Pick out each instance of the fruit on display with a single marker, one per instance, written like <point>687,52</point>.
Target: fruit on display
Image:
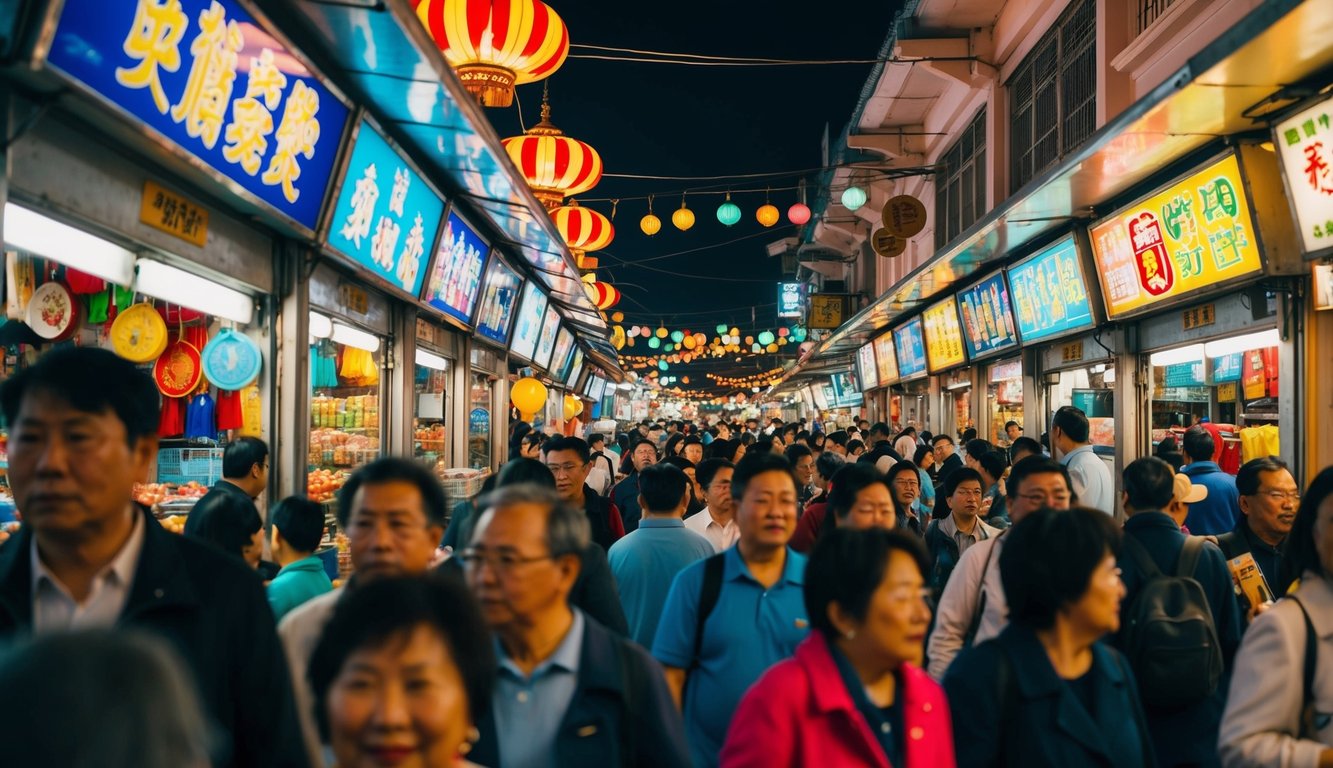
<point>323,484</point>
<point>150,494</point>
<point>355,412</point>
<point>335,448</point>
<point>174,523</point>
<point>429,438</point>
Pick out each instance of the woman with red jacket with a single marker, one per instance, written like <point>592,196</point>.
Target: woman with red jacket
<point>853,695</point>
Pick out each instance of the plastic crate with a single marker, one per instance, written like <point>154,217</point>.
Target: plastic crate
<point>181,465</point>
<point>461,484</point>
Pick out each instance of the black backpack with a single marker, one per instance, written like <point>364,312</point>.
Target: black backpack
<point>1168,634</point>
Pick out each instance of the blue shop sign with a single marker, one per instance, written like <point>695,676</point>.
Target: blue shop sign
<point>207,77</point>
<point>988,318</point>
<point>1227,368</point>
<point>460,261</point>
<point>479,422</point>
<point>386,217</point>
<point>910,345</point>
<point>1050,294</point>
<point>1183,375</point>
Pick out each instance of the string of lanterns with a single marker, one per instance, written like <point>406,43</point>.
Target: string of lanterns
<point>729,213</point>
<point>764,378</point>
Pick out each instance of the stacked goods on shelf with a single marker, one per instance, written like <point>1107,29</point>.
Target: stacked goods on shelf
<point>323,484</point>
<point>335,448</point>
<point>429,439</point>
<point>346,413</point>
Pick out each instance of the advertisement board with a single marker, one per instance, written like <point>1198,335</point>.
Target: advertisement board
<point>497,305</point>
<point>1050,293</point>
<point>546,341</point>
<point>791,299</point>
<point>886,359</point>
<point>944,336</point>
<point>911,349</point>
<point>1304,144</point>
<point>455,281</point>
<point>866,368</point>
<point>528,327</point>
<point>988,317</point>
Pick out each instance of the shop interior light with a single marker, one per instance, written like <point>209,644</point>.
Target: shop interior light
<point>1191,354</point>
<point>30,231</point>
<point>1260,340</point>
<point>432,361</point>
<point>351,337</point>
<point>176,286</point>
<point>321,327</point>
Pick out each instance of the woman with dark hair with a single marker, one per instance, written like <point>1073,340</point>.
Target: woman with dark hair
<point>1270,718</point>
<point>1046,693</point>
<point>855,448</point>
<point>859,498</point>
<point>530,446</point>
<point>402,673</point>
<point>517,431</point>
<point>674,444</point>
<point>723,449</point>
<point>230,523</point>
<point>853,693</point>
<point>924,459</point>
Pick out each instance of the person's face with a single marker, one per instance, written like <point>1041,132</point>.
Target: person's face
<point>723,432</point>
<point>805,469</point>
<point>697,490</point>
<point>776,446</point>
<point>872,508</point>
<point>717,494</point>
<point>1272,510</point>
<point>251,552</point>
<point>965,502</point>
<point>897,616</point>
<point>401,703</point>
<point>1047,489</point>
<point>530,450</point>
<point>1013,431</point>
<point>72,472</point>
<point>643,430</point>
<point>570,472</point>
<point>906,488</point>
<point>928,460</point>
<point>841,450</point>
<point>694,452</point>
<point>942,449</point>
<point>515,578</point>
<point>767,512</point>
<point>857,451</point>
<point>259,472</point>
<point>1323,534</point>
<point>1099,608</point>
<point>644,455</point>
<point>388,532</point>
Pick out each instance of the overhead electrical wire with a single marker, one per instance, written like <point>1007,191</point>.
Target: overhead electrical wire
<point>703,60</point>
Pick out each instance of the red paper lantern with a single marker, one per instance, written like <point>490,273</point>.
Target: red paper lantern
<point>798,213</point>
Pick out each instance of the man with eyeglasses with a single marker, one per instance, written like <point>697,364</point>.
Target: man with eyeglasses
<point>570,460</point>
<point>626,493</point>
<point>716,521</point>
<point>973,608</point>
<point>905,484</point>
<point>1269,497</point>
<point>568,691</point>
<point>948,539</point>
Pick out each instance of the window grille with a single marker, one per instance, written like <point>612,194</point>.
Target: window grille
<point>960,182</point>
<point>1148,12</point>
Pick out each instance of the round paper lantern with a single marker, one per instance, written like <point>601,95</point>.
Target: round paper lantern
<point>604,295</point>
<point>676,336</point>
<point>728,213</point>
<point>683,218</point>
<point>798,213</point>
<point>766,338</point>
<point>573,407</point>
<point>650,225</point>
<point>783,331</point>
<point>853,198</point>
<point>772,348</point>
<point>721,328</point>
<point>617,317</point>
<point>554,165</point>
<point>767,214</point>
<point>583,229</point>
<point>689,342</point>
<point>662,365</point>
<point>528,395</point>
<point>662,333</point>
<point>654,342</point>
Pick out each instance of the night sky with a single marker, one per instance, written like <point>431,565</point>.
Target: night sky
<point>671,120</point>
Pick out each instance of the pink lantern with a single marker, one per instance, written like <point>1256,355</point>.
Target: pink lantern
<point>798,213</point>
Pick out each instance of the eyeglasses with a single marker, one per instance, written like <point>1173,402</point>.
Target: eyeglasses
<point>564,469</point>
<point>500,562</point>
<point>1280,496</point>
<point>968,492</point>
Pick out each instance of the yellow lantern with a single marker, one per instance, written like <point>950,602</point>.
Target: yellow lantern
<point>650,225</point>
<point>617,317</point>
<point>528,395</point>
<point>573,407</point>
<point>661,333</point>
<point>683,218</point>
<point>768,214</point>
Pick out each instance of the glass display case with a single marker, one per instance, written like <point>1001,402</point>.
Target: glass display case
<point>344,409</point>
<point>430,433</point>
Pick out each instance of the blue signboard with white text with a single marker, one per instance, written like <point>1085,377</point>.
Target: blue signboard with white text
<point>204,75</point>
<point>791,299</point>
<point>386,216</point>
<point>1050,293</point>
<point>910,344</point>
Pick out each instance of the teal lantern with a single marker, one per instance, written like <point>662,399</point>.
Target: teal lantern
<point>678,336</point>
<point>728,213</point>
<point>766,338</point>
<point>798,333</point>
<point>757,347</point>
<point>853,197</point>
<point>654,342</point>
<point>661,365</point>
<point>668,347</point>
<point>721,329</point>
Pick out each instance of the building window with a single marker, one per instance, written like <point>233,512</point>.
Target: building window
<point>1053,95</point>
<point>960,182</point>
<point>1148,12</point>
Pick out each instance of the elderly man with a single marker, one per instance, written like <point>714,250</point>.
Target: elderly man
<point>83,431</point>
<point>626,493</point>
<point>569,459</point>
<point>568,690</point>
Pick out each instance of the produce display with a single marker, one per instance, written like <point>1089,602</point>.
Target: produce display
<point>173,523</point>
<point>429,439</point>
<point>346,413</point>
<point>335,448</point>
<point>152,494</point>
<point>323,484</point>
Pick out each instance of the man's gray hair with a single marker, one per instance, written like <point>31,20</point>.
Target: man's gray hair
<point>567,529</point>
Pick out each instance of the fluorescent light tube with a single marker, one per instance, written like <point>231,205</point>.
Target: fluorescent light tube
<point>1260,340</point>
<point>176,286</point>
<point>351,337</point>
<point>321,327</point>
<point>30,231</point>
<point>430,360</point>
<point>1192,353</point>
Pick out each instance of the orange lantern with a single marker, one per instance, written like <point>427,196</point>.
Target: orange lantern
<point>553,164</point>
<point>583,229</point>
<point>494,45</point>
<point>603,295</point>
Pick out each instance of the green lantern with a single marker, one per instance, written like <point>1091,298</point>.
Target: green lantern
<point>728,213</point>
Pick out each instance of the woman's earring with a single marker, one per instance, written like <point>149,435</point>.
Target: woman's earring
<point>473,736</point>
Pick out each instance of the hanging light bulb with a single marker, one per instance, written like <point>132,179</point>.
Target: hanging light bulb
<point>650,224</point>
<point>683,218</point>
<point>853,197</point>
<point>799,212</point>
<point>728,213</point>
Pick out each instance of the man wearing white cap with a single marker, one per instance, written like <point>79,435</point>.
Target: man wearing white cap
<point>1183,494</point>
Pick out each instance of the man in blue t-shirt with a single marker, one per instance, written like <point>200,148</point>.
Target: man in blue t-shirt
<point>1219,512</point>
<point>759,615</point>
<point>647,559</point>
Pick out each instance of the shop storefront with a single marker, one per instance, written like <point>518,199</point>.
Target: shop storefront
<point>989,332</point>
<point>944,354</point>
<point>913,390</point>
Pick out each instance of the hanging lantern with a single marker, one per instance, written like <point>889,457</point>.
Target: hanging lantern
<point>766,338</point>
<point>721,328</point>
<point>618,337</point>
<point>654,342</point>
<point>798,213</point>
<point>554,165</point>
<point>683,218</point>
<point>662,333</point>
<point>573,407</point>
<point>853,198</point>
<point>607,295</point>
<point>728,213</point>
<point>528,395</point>
<point>583,229</point>
<point>767,214</point>
<point>676,336</point>
<point>494,45</point>
<point>617,317</point>
<point>650,224</point>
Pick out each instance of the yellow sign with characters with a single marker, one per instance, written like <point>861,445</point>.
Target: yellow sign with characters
<point>826,310</point>
<point>174,214</point>
<point>944,336</point>
<point>1190,236</point>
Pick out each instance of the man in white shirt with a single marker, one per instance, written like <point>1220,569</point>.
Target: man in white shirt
<point>1089,475</point>
<point>715,522</point>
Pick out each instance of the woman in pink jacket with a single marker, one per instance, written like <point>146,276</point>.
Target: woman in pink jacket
<point>853,694</point>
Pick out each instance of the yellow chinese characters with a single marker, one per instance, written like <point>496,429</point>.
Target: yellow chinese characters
<point>154,42</point>
<point>208,89</point>
<point>297,135</point>
<point>252,115</point>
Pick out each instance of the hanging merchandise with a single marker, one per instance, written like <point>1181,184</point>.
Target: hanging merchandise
<point>178,370</point>
<point>99,305</point>
<point>20,282</point>
<point>252,412</point>
<point>171,423</point>
<point>139,334</point>
<point>229,413</point>
<point>200,418</point>
<point>231,360</point>
<point>52,313</point>
<point>359,368</point>
<point>323,365</point>
<point>82,282</point>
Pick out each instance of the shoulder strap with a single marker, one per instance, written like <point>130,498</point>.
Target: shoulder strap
<point>1189,557</point>
<point>975,624</point>
<point>1141,557</point>
<point>1308,668</point>
<point>708,595</point>
<point>629,676</point>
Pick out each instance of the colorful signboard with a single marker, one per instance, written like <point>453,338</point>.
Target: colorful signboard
<point>1227,368</point>
<point>386,217</point>
<point>560,359</point>
<point>791,297</point>
<point>826,310</point>
<point>988,317</point>
<point>1050,294</point>
<point>1192,235</point>
<point>528,328</point>
<point>575,367</point>
<point>866,367</point>
<point>944,336</point>
<point>845,393</point>
<point>206,77</point>
<point>546,342</point>
<point>497,304</point>
<point>455,281</point>
<point>911,349</point>
<point>1304,143</point>
<point>886,359</point>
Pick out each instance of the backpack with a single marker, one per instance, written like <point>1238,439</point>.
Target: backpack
<point>709,592</point>
<point>1168,633</point>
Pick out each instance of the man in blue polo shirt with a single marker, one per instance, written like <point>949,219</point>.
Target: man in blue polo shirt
<point>646,560</point>
<point>758,617</point>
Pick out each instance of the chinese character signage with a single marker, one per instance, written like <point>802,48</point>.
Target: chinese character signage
<point>789,299</point>
<point>866,368</point>
<point>944,336</point>
<point>911,349</point>
<point>497,308</point>
<point>207,77</point>
<point>988,319</point>
<point>528,327</point>
<point>1304,141</point>
<point>1192,235</point>
<point>826,310</point>
<point>886,359</point>
<point>1050,295</point>
<point>386,217</point>
<point>174,214</point>
<point>455,281</point>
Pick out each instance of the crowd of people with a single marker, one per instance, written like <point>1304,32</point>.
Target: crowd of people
<point>723,594</point>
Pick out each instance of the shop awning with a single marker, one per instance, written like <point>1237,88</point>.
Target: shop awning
<point>390,65</point>
<point>1266,56</point>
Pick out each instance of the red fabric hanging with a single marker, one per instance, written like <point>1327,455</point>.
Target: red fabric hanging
<point>172,423</point>
<point>228,410</point>
<point>82,282</point>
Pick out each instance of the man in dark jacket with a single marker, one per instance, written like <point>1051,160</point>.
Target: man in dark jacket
<point>244,474</point>
<point>881,452</point>
<point>1269,497</point>
<point>626,493</point>
<point>84,430</point>
<point>948,461</point>
<point>1182,736</point>
<point>570,460</point>
<point>568,691</point>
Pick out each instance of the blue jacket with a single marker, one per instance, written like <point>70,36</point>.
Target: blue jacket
<point>1186,735</point>
<point>625,495</point>
<point>1029,717</point>
<point>621,714</point>
<point>1219,513</point>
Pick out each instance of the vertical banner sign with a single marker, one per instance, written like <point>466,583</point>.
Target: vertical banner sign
<point>1049,293</point>
<point>887,360</point>
<point>944,336</point>
<point>790,296</point>
<point>1305,143</point>
<point>866,368</point>
<point>206,77</point>
<point>386,216</point>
